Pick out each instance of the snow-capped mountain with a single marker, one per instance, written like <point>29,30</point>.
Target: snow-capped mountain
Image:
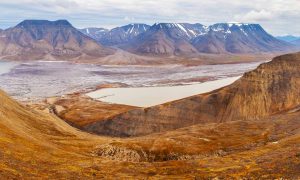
<point>95,33</point>
<point>167,39</point>
<point>181,30</point>
<point>123,34</point>
<point>238,38</point>
<point>184,38</point>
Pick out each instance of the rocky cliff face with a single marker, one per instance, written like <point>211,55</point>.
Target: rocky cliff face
<point>271,88</point>
<point>41,39</point>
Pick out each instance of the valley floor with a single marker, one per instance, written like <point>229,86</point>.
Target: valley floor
<point>37,80</point>
<point>37,144</point>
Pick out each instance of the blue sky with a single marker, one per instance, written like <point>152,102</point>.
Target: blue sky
<point>279,17</point>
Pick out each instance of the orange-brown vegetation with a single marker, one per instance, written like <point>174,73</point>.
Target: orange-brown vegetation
<point>81,111</point>
<point>251,145</point>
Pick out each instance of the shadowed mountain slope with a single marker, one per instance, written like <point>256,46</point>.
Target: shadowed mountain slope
<point>41,39</point>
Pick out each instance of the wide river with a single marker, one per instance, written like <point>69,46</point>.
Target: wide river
<point>36,80</point>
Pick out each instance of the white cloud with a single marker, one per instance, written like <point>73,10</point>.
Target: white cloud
<point>256,16</point>
<point>277,16</point>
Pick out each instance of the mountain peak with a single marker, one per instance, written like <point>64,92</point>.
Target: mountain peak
<point>135,28</point>
<point>28,23</point>
<point>44,39</point>
<point>223,26</point>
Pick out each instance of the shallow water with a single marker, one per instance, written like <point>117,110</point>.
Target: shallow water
<point>37,80</point>
<point>150,96</point>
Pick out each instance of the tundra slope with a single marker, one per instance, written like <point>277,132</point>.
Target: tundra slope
<point>38,145</point>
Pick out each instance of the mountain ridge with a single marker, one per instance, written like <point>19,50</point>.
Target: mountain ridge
<point>119,35</point>
<point>181,39</point>
<point>42,39</point>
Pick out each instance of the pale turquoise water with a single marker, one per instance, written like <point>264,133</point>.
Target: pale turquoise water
<point>151,96</point>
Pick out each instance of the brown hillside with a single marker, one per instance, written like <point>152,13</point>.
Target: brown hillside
<point>36,145</point>
<point>270,89</point>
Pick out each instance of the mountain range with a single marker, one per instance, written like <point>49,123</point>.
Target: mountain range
<point>116,36</point>
<point>55,40</point>
<point>185,38</point>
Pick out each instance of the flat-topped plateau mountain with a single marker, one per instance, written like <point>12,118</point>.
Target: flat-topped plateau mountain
<point>48,40</point>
